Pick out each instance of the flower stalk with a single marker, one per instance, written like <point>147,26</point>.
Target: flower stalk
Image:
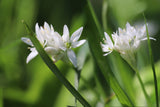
<point>104,14</point>
<point>77,78</point>
<point>1,97</point>
<point>142,85</point>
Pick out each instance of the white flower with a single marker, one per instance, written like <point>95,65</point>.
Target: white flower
<point>54,44</point>
<point>108,44</point>
<point>49,39</point>
<point>125,40</point>
<point>72,42</point>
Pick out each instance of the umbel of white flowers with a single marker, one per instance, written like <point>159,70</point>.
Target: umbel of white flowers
<point>54,44</point>
<point>125,41</point>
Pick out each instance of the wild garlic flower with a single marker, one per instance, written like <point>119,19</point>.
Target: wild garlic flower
<point>72,42</point>
<point>54,44</point>
<point>49,39</point>
<point>125,40</point>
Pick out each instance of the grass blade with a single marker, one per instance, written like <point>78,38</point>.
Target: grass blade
<point>152,64</point>
<point>95,18</point>
<point>94,43</point>
<point>54,69</point>
<point>1,97</point>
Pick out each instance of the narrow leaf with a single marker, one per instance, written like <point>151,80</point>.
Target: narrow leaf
<point>94,43</point>
<point>152,64</point>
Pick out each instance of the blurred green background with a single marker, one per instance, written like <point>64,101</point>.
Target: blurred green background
<point>33,84</point>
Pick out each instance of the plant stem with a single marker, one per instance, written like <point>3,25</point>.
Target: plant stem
<point>95,18</point>
<point>1,97</point>
<point>130,58</point>
<point>102,63</point>
<point>152,64</point>
<point>104,14</point>
<point>77,78</point>
<point>142,85</point>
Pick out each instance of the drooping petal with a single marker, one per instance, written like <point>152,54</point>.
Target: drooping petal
<point>27,41</point>
<point>76,35</point>
<point>72,57</point>
<point>78,43</point>
<point>32,55</point>
<point>65,36</point>
<point>107,53</point>
<point>149,38</point>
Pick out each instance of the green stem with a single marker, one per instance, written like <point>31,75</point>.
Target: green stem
<point>102,63</point>
<point>77,78</point>
<point>1,97</point>
<point>94,18</point>
<point>48,61</point>
<point>104,14</point>
<point>130,58</point>
<point>153,67</point>
<point>142,85</point>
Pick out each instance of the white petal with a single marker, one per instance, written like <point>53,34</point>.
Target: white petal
<point>57,57</point>
<point>58,41</point>
<point>128,26</point>
<point>52,30</point>
<point>51,50</point>
<point>46,26</point>
<point>72,57</point>
<point>108,39</point>
<point>39,34</point>
<point>65,36</point>
<point>78,43</point>
<point>33,54</point>
<point>149,38</point>
<point>76,35</point>
<point>37,27</point>
<point>27,41</point>
<point>107,53</point>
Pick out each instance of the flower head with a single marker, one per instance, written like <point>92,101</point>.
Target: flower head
<point>72,42</point>
<point>49,39</point>
<point>54,44</point>
<point>125,40</point>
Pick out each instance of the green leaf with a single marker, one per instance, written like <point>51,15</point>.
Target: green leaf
<point>1,97</point>
<point>53,67</point>
<point>94,43</point>
<point>153,67</point>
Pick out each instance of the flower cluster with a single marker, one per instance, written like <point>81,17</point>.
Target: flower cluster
<point>125,40</point>
<point>54,44</point>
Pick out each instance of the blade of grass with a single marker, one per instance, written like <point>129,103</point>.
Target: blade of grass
<point>95,48</point>
<point>152,64</point>
<point>1,97</point>
<point>104,14</point>
<point>53,67</point>
<point>142,85</point>
<point>106,71</point>
<point>95,18</point>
